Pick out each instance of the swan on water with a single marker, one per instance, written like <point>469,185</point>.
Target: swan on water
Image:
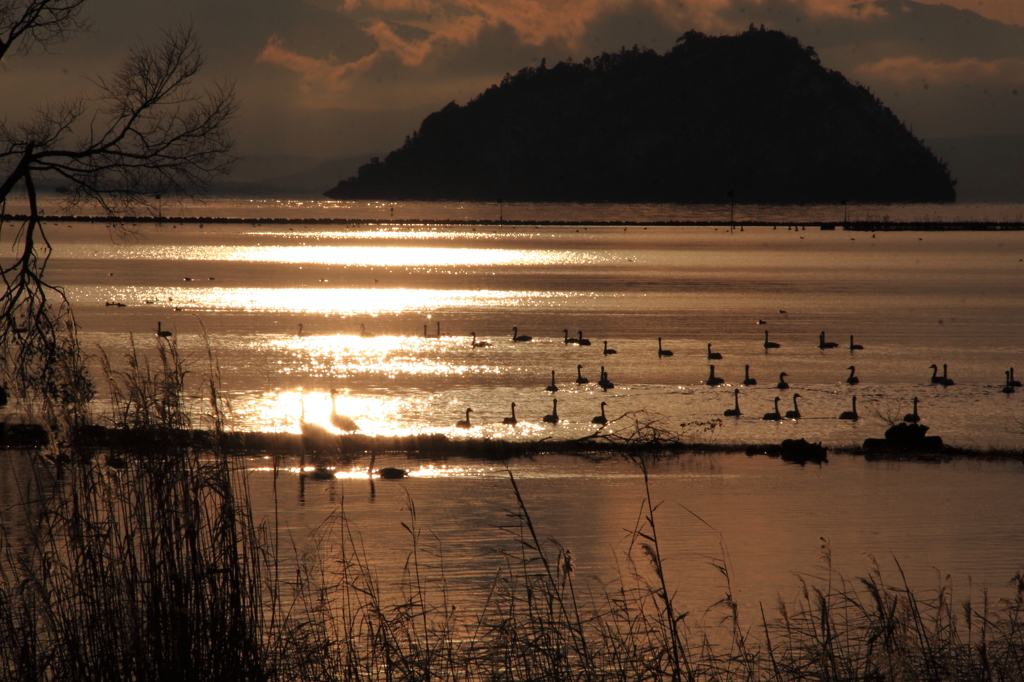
<point>912,418</point>
<point>1014,382</point>
<point>734,411</point>
<point>713,356</point>
<point>580,379</point>
<point>340,421</point>
<point>661,352</point>
<point>855,346</point>
<point>851,414</point>
<point>552,386</point>
<point>609,351</point>
<point>825,344</point>
<point>604,382</point>
<point>600,419</point>
<point>1008,388</point>
<point>712,380</point>
<point>363,333</point>
<point>773,416</point>
<point>464,423</point>
<point>782,381</point>
<point>566,339</point>
<point>164,334</point>
<point>519,338</point>
<point>946,381</point>
<point>769,344</point>
<point>852,379</point>
<point>480,344</point>
<point>582,341</point>
<point>795,412</point>
<point>747,379</point>
<point>936,379</point>
<point>553,417</point>
<point>511,421</point>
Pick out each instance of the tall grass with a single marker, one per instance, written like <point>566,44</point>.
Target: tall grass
<point>158,570</point>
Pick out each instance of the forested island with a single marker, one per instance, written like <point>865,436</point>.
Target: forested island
<point>754,116</point>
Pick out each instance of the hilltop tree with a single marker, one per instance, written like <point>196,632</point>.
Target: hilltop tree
<point>147,133</point>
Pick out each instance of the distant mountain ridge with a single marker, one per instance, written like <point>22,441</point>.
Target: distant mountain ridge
<point>753,114</point>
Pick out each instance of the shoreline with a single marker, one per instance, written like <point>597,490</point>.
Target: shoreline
<point>850,226</point>
<point>92,440</point>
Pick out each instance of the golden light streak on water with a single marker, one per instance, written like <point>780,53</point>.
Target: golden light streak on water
<point>319,254</point>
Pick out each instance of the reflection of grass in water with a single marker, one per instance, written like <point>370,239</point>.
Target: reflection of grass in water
<point>157,570</point>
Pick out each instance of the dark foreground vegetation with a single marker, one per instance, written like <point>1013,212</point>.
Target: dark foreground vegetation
<point>753,115</point>
<point>148,563</point>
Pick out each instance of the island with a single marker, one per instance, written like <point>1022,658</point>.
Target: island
<point>750,118</point>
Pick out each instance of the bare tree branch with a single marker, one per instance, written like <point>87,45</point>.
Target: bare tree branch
<point>37,23</point>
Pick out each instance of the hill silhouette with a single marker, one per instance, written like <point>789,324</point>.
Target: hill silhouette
<point>754,114</point>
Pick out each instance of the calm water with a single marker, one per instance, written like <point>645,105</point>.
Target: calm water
<point>911,299</point>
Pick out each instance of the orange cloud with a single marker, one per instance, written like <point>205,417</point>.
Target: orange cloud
<point>324,75</point>
<point>913,70</point>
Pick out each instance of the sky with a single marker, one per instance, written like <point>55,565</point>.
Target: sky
<point>337,78</point>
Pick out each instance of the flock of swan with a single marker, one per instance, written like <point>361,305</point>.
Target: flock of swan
<point>713,380</point>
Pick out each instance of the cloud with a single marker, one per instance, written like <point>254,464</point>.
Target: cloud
<point>913,70</point>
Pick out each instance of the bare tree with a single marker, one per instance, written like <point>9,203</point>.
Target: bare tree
<point>148,133</point>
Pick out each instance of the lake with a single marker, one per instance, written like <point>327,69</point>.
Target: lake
<point>369,299</point>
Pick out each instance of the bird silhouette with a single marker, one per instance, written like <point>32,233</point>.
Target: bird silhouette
<point>511,421</point>
<point>713,356</point>
<point>164,334</point>
<point>600,419</point>
<point>782,381</point>
<point>480,344</point>
<point>747,379</point>
<point>855,346</point>
<point>795,412</point>
<point>662,353</point>
<point>520,338</point>
<point>553,417</point>
<point>852,379</point>
<point>851,414</point>
<point>340,421</point>
<point>608,351</point>
<point>912,418</point>
<point>712,380</point>
<point>734,411</point>
<point>552,386</point>
<point>580,379</point>
<point>773,416</point>
<point>769,344</point>
<point>464,423</point>
<point>822,344</point>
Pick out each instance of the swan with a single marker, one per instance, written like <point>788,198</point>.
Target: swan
<point>713,356</point>
<point>580,379</point>
<point>822,344</point>
<point>782,381</point>
<point>1008,388</point>
<point>773,416</point>
<point>735,411</point>
<point>164,334</point>
<point>855,346</point>
<point>852,379</point>
<point>363,333</point>
<point>480,344</point>
<point>912,418</point>
<point>609,351</point>
<point>795,412</point>
<point>519,338</point>
<point>438,330</point>
<point>553,417</point>
<point>604,382</point>
<point>464,423</point>
<point>425,334</point>
<point>582,341</point>
<point>936,379</point>
<point>851,414</point>
<point>712,380</point>
<point>566,339</point>
<point>663,353</point>
<point>511,421</point>
<point>769,344</point>
<point>1013,382</point>
<point>600,419</point>
<point>747,379</point>
<point>340,421</point>
<point>946,381</point>
<point>552,386</point>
